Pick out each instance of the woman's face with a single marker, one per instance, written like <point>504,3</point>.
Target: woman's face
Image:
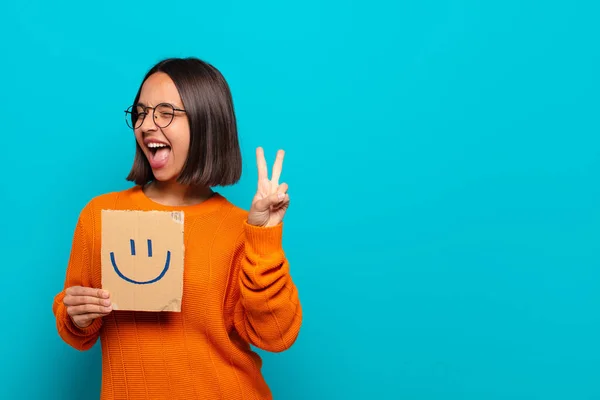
<point>166,148</point>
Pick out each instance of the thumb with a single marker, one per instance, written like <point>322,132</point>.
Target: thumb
<point>266,202</point>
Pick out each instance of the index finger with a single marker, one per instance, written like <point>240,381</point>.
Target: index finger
<point>261,163</point>
<point>86,291</point>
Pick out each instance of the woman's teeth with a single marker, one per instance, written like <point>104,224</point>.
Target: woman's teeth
<point>156,145</point>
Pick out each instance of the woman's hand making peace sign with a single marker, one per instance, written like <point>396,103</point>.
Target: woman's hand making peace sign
<point>271,200</point>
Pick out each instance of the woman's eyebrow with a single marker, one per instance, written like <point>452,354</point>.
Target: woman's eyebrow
<point>139,103</point>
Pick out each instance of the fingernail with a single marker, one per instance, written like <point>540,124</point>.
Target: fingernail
<point>105,294</point>
<point>280,196</point>
<point>106,302</point>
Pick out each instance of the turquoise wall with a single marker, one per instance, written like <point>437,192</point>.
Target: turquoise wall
<point>442,157</point>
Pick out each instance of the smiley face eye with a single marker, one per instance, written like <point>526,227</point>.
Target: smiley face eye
<point>132,246</point>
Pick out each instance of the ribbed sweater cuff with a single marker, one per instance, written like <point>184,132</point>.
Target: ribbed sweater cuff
<point>264,240</point>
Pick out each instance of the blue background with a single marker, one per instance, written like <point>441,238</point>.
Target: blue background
<point>442,158</point>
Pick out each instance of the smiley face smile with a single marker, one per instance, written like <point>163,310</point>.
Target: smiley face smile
<point>159,277</point>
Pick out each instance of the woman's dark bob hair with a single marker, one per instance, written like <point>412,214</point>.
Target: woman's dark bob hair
<point>214,157</point>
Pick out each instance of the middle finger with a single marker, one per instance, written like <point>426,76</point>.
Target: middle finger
<point>87,309</point>
<point>80,300</point>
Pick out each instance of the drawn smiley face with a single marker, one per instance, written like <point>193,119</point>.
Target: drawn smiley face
<point>133,253</point>
<point>142,259</point>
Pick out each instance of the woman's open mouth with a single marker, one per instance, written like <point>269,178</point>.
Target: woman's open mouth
<point>159,154</point>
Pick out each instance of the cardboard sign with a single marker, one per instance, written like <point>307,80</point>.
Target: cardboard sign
<point>142,259</point>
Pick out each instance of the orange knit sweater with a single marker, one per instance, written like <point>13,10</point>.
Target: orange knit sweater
<point>237,291</point>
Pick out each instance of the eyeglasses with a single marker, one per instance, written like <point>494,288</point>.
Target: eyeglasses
<point>162,115</point>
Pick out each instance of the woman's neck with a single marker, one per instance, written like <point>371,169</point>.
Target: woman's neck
<point>176,194</point>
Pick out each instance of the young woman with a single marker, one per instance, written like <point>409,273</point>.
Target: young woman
<point>237,287</point>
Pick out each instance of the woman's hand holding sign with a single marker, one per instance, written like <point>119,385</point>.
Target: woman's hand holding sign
<point>85,304</point>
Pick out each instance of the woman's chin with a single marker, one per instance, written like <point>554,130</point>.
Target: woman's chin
<point>164,175</point>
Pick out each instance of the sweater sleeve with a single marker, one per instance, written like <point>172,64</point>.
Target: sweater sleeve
<point>266,307</point>
<point>78,273</point>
